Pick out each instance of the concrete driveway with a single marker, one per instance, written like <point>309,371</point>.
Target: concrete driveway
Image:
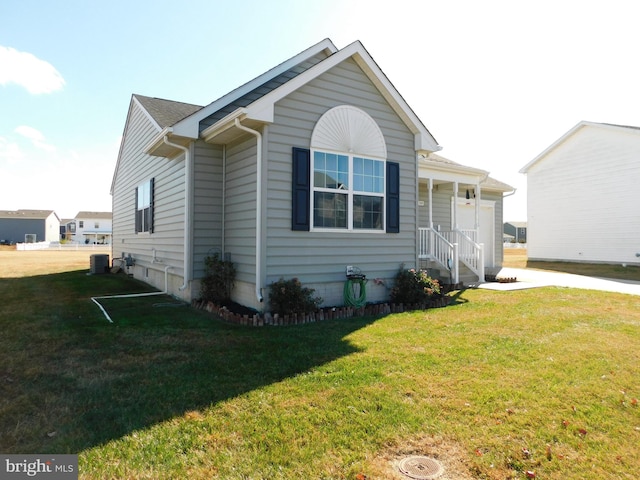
<point>528,278</point>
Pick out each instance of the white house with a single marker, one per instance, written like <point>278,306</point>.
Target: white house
<point>93,228</point>
<point>316,165</point>
<point>582,196</point>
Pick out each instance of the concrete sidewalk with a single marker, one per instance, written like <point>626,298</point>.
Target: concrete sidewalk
<point>528,278</point>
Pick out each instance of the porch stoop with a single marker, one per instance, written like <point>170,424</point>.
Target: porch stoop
<point>465,275</point>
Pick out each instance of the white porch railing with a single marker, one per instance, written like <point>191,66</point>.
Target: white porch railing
<point>449,249</point>
<point>435,246</point>
<point>471,253</point>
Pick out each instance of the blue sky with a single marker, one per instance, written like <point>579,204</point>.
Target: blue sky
<point>495,82</point>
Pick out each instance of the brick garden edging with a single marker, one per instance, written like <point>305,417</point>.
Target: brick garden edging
<point>332,313</point>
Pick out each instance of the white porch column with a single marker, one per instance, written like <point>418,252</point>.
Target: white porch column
<point>455,206</point>
<point>431,203</point>
<point>477,220</point>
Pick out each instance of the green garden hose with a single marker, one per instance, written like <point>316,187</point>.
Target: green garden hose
<point>355,297</point>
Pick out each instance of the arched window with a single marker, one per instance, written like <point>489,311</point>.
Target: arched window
<point>348,171</point>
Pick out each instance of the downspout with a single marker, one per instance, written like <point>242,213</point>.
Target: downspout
<point>187,211</point>
<point>224,196</point>
<point>258,136</point>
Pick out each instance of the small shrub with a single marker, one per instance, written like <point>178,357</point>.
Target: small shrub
<point>219,279</point>
<point>289,296</point>
<point>414,287</point>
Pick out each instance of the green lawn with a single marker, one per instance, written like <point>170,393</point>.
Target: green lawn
<point>496,385</point>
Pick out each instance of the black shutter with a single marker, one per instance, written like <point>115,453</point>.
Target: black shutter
<point>393,197</point>
<point>151,199</point>
<point>136,213</point>
<point>301,190</point>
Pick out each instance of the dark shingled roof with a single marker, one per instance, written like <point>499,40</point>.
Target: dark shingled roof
<point>92,215</point>
<point>167,112</point>
<point>37,214</point>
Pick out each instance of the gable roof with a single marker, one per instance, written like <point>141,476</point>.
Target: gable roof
<point>570,133</point>
<point>263,109</point>
<point>165,113</point>
<point>517,224</point>
<point>438,162</point>
<point>183,119</point>
<point>93,215</point>
<point>24,214</point>
<point>266,82</point>
<point>255,101</point>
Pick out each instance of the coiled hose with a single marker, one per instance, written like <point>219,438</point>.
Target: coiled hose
<point>355,296</point>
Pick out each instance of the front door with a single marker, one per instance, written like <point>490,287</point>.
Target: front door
<point>467,220</point>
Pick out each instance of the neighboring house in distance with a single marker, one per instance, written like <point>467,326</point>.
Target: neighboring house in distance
<point>316,165</point>
<point>92,228</point>
<point>29,226</point>
<point>582,203</point>
<point>516,231</point>
<point>67,229</point>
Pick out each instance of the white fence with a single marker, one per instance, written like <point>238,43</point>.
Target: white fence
<point>515,245</point>
<point>61,246</point>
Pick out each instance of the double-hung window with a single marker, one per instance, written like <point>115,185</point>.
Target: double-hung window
<point>344,181</point>
<point>144,207</point>
<point>348,191</point>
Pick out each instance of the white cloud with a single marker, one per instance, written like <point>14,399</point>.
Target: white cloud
<point>10,151</point>
<point>25,69</point>
<point>36,137</point>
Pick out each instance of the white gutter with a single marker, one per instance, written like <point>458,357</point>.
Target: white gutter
<point>509,194</point>
<point>132,295</point>
<point>258,206</point>
<point>187,211</point>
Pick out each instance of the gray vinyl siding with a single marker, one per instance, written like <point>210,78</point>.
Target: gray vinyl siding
<point>135,167</point>
<point>240,208</point>
<point>498,223</point>
<point>317,257</point>
<point>207,204</point>
<point>13,230</point>
<point>441,210</point>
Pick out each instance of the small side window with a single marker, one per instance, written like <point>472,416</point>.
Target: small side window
<point>144,207</point>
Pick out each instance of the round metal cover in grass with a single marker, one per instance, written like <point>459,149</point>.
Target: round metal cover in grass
<point>420,468</point>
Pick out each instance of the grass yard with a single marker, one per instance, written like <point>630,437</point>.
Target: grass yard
<point>500,385</point>
<point>517,258</point>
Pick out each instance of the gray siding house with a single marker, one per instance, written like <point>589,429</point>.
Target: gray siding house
<point>517,231</point>
<point>316,165</point>
<point>29,226</point>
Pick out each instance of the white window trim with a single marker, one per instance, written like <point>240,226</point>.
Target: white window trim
<point>144,187</point>
<point>349,193</point>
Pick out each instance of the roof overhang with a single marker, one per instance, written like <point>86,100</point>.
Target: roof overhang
<point>446,172</point>
<point>190,126</point>
<point>573,131</point>
<point>225,129</point>
<point>159,148</point>
<point>263,109</point>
